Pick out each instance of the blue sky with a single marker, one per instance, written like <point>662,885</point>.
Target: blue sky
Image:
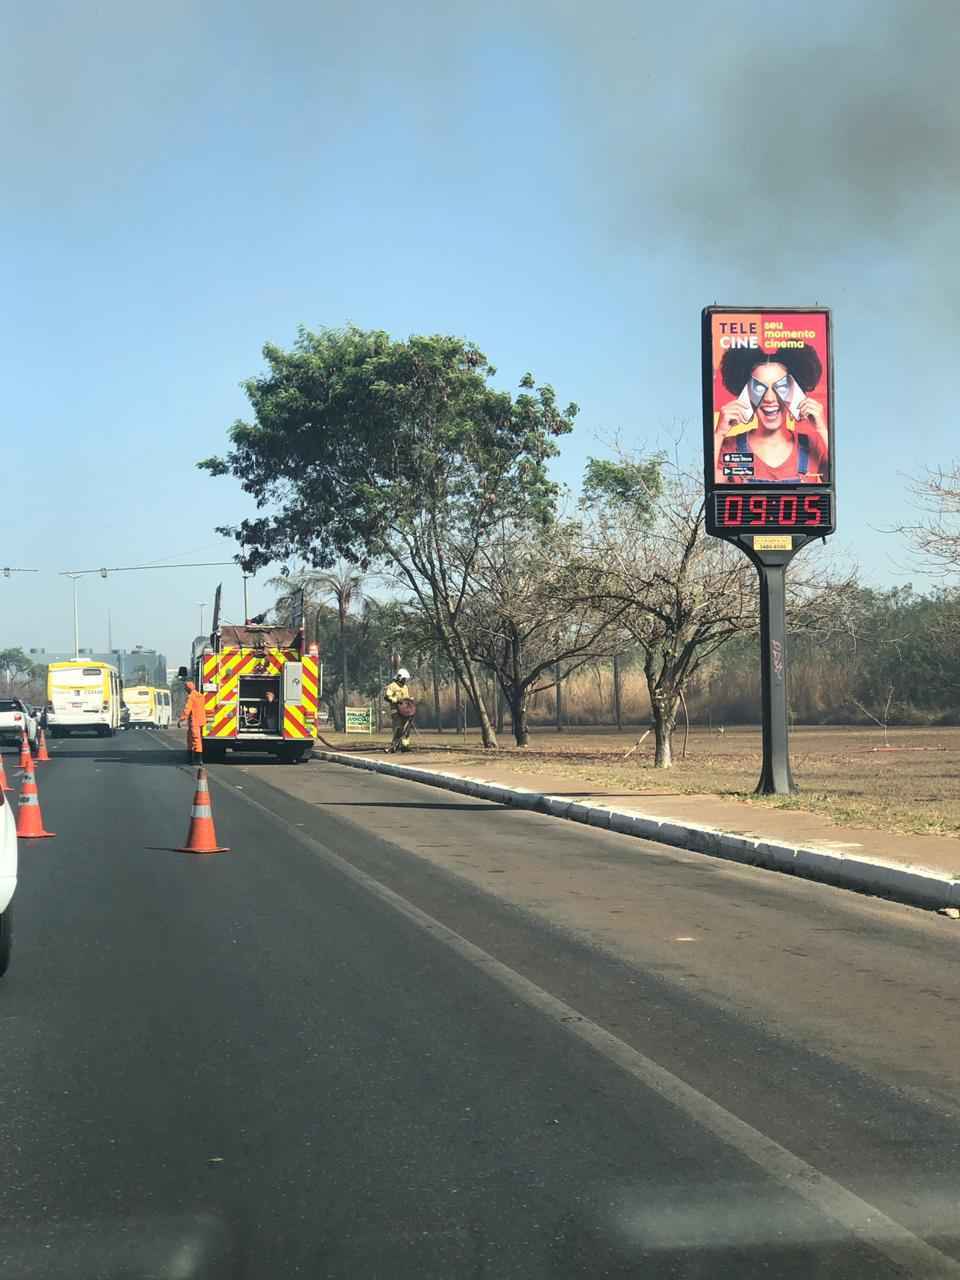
<point>566,185</point>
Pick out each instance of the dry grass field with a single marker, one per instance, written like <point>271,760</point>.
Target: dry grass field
<point>843,773</point>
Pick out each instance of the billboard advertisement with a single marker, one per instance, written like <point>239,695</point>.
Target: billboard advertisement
<point>768,419</point>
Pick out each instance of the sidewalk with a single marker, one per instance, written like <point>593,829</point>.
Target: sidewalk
<point>921,870</point>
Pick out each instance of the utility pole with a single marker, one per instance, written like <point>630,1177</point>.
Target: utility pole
<point>76,612</point>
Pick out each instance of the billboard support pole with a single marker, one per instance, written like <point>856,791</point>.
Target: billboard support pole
<point>776,778</point>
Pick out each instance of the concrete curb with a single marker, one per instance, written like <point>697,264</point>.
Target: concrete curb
<point>915,885</point>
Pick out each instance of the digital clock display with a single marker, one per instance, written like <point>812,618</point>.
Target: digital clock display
<point>803,512</point>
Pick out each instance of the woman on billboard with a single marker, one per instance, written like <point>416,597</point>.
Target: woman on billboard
<point>773,432</point>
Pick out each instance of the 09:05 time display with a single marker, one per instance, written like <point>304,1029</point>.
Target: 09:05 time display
<point>773,510</point>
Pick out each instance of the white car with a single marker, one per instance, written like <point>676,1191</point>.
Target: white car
<point>15,716</point>
<point>8,876</point>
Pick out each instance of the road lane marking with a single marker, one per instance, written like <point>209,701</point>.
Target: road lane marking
<point>858,1217</point>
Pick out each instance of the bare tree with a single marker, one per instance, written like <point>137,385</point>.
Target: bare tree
<point>519,623</point>
<point>679,594</point>
<point>935,538</point>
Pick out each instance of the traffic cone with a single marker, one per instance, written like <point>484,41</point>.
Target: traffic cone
<point>4,784</point>
<point>44,754</point>
<point>26,759</point>
<point>201,838</point>
<point>29,817</point>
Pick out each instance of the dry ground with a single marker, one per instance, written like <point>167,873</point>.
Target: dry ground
<point>845,774</point>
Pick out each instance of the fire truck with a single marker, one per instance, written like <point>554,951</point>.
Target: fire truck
<point>235,668</point>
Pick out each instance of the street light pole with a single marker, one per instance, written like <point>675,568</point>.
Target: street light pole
<point>76,614</point>
<point>246,609</point>
<point>201,604</point>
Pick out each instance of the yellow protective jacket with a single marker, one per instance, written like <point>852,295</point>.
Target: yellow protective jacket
<point>395,692</point>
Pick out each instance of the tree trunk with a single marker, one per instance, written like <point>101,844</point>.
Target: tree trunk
<point>458,706</point>
<point>664,708</point>
<point>498,695</point>
<point>617,703</point>
<point>436,697</point>
<point>488,734</point>
<point>518,715</point>
<point>663,732</point>
<point>559,700</point>
<point>465,668</point>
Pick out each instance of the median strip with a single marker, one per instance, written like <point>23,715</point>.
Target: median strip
<point>913,884</point>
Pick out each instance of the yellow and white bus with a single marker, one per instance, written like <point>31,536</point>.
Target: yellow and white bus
<point>83,695</point>
<point>148,705</point>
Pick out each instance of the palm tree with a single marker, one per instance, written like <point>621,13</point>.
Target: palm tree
<point>343,585</point>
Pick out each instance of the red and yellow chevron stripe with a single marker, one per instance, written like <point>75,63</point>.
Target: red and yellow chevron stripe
<point>294,722</point>
<point>235,663</point>
<point>310,686</point>
<point>224,721</point>
<point>226,669</point>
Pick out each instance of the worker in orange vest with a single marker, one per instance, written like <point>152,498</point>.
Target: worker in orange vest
<point>194,716</point>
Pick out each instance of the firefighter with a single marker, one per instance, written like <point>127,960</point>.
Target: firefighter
<point>271,713</point>
<point>396,693</point>
<point>194,716</point>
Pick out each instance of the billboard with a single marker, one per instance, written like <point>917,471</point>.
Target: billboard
<point>358,720</point>
<point>768,419</point>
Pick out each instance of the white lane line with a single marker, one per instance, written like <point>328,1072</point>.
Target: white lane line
<point>856,1216</point>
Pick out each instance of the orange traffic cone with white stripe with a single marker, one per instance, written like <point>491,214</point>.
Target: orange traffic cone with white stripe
<point>201,838</point>
<point>29,817</point>
<point>26,759</point>
<point>43,755</point>
<point>4,784</point>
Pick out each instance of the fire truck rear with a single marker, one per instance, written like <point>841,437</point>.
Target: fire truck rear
<point>261,691</point>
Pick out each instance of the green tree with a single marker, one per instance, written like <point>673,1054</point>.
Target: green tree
<point>399,453</point>
<point>16,668</point>
<point>902,660</point>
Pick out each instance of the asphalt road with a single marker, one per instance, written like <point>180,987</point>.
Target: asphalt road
<point>321,1055</point>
